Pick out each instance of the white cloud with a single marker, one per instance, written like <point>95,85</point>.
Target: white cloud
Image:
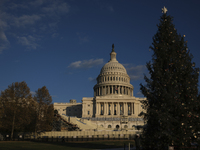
<point>86,63</point>
<point>29,42</point>
<point>136,72</point>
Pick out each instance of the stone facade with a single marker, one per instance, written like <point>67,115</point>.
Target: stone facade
<point>113,99</point>
<point>70,109</point>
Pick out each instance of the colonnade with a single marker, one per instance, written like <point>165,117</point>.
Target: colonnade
<point>114,108</point>
<point>113,89</point>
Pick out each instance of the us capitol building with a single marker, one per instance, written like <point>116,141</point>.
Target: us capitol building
<point>113,106</point>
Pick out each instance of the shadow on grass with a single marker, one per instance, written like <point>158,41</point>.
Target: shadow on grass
<point>92,144</point>
<point>72,145</point>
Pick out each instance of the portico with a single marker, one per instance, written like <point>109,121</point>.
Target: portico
<point>114,109</point>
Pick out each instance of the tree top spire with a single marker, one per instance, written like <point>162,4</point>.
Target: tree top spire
<point>164,10</point>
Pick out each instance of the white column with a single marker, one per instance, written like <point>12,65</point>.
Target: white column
<point>124,108</point>
<point>97,109</point>
<point>112,108</point>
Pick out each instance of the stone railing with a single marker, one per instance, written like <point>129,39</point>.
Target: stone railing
<point>113,119</point>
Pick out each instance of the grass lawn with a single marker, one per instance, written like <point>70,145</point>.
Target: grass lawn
<point>27,145</point>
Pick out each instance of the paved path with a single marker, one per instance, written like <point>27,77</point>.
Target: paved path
<point>132,148</point>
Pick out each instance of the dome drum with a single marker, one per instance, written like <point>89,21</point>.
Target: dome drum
<point>113,90</point>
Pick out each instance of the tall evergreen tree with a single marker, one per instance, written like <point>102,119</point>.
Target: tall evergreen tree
<point>172,115</point>
<point>44,111</point>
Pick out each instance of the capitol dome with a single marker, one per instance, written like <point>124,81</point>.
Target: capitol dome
<point>113,79</point>
<point>113,66</point>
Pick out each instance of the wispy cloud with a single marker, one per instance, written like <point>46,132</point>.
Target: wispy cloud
<point>33,93</point>
<point>25,20</point>
<point>139,94</point>
<point>30,20</point>
<point>29,42</point>
<point>135,72</point>
<point>4,43</point>
<point>86,63</point>
<point>82,37</point>
<point>92,79</point>
<point>56,8</point>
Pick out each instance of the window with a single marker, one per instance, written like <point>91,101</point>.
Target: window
<point>88,112</point>
<point>117,126</point>
<point>101,109</point>
<point>109,112</point>
<point>115,112</point>
<point>129,109</point>
<point>125,126</point>
<point>121,111</point>
<point>88,105</point>
<point>109,126</point>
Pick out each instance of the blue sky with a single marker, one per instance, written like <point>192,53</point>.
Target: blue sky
<point>63,44</point>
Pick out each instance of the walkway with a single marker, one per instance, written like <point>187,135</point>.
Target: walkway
<point>132,148</point>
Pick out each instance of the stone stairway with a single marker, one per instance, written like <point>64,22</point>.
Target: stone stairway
<point>82,124</point>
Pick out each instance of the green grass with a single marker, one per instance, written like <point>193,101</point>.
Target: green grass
<point>27,145</point>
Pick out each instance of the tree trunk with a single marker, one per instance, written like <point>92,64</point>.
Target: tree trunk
<point>13,125</point>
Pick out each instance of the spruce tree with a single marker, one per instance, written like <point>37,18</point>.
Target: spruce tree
<point>172,116</point>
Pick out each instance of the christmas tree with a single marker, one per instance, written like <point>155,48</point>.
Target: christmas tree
<point>172,116</point>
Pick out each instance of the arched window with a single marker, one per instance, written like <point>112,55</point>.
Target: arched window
<point>119,78</point>
<point>109,126</point>
<point>117,126</point>
<point>110,78</point>
<point>125,126</point>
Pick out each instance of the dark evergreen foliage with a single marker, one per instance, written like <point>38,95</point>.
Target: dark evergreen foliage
<point>172,103</point>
